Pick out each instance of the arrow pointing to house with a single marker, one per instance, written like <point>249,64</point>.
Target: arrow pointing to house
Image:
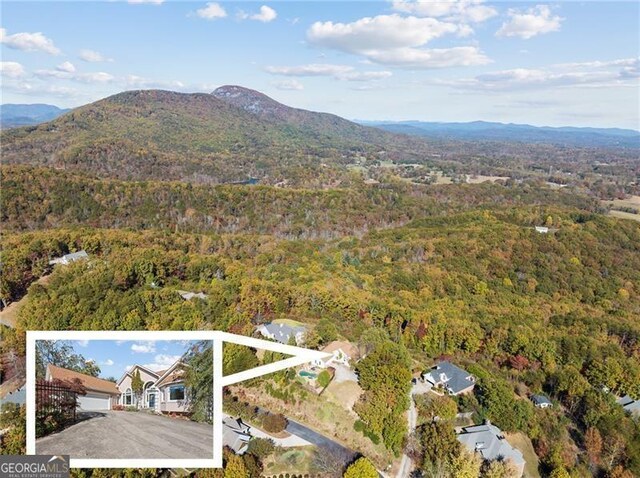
<point>298,356</point>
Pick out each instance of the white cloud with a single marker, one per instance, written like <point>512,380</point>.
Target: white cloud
<point>266,15</point>
<point>529,23</point>
<point>459,10</point>
<point>294,85</point>
<point>11,69</point>
<point>108,362</point>
<point>139,82</point>
<point>339,72</point>
<point>144,347</point>
<point>92,56</point>
<point>63,72</point>
<point>395,40</point>
<point>83,343</point>
<point>162,361</point>
<point>67,66</point>
<point>29,42</point>
<point>38,90</point>
<point>211,11</point>
<point>595,74</point>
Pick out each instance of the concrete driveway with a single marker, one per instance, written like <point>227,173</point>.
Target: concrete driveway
<point>131,435</point>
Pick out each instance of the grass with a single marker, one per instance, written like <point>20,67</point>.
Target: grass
<point>291,460</point>
<point>625,215</point>
<point>523,443</point>
<point>290,322</point>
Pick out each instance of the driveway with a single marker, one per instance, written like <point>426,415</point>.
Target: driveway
<point>131,435</point>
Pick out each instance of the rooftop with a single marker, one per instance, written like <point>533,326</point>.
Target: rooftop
<point>90,383</point>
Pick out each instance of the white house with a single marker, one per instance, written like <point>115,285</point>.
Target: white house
<point>69,258</point>
<point>541,401</point>
<point>235,435</point>
<point>163,391</point>
<point>283,333</point>
<point>542,229</point>
<point>342,352</point>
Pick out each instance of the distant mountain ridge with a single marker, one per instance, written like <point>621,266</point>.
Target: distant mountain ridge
<point>511,132</point>
<point>13,115</point>
<point>228,135</point>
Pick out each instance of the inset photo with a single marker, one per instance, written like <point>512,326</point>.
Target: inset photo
<point>124,399</point>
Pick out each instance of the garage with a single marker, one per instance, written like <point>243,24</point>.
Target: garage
<point>94,401</point>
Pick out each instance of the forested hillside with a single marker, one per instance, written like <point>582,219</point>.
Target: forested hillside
<point>479,285</point>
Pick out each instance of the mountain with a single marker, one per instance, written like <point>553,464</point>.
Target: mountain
<point>13,115</point>
<point>228,135</point>
<point>522,133</point>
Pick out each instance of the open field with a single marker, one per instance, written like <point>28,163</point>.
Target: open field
<point>477,179</point>
<point>291,322</point>
<point>291,460</point>
<point>625,215</point>
<point>523,443</point>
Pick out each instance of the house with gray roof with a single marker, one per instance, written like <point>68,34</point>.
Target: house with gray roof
<point>187,295</point>
<point>235,435</point>
<point>283,332</point>
<point>450,377</point>
<point>629,405</point>
<point>541,401</point>
<point>489,441</point>
<point>69,258</point>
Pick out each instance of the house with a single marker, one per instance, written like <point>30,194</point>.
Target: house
<point>163,391</point>
<point>541,401</point>
<point>235,435</point>
<point>542,229</point>
<point>69,258</point>
<point>342,352</point>
<point>101,394</point>
<point>452,378</point>
<point>488,440</point>
<point>283,333</point>
<point>186,295</point>
<point>629,405</point>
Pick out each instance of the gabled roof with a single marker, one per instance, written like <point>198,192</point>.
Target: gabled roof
<point>90,383</point>
<point>128,372</point>
<point>282,332</point>
<point>489,441</point>
<point>540,400</point>
<point>235,434</point>
<point>347,347</point>
<point>170,375</point>
<point>455,378</point>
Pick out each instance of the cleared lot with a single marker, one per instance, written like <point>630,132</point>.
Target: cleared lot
<point>131,435</point>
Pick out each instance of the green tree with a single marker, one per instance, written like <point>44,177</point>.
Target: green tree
<point>198,379</point>
<point>234,467</point>
<point>137,386</point>
<point>61,354</point>
<point>323,378</point>
<point>361,468</point>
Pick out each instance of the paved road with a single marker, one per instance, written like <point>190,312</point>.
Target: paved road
<point>312,436</point>
<point>131,435</point>
<point>412,419</point>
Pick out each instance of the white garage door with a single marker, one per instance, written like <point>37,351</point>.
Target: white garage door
<point>94,401</point>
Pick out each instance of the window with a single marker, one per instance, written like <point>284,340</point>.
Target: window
<point>127,397</point>
<point>176,392</point>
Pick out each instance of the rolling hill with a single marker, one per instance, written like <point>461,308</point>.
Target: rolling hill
<point>229,135</point>
<point>521,133</point>
<point>14,115</point>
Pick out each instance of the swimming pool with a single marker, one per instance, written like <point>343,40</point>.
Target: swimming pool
<point>304,373</point>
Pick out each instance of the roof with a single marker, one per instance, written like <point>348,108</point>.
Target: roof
<point>489,441</point>
<point>629,404</point>
<point>455,378</point>
<point>347,347</point>
<point>282,332</point>
<point>187,295</point>
<point>235,434</point>
<point>148,370</point>
<point>540,400</point>
<point>90,383</point>
<point>75,256</point>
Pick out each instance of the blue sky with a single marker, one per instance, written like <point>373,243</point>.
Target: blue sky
<point>545,63</point>
<point>115,356</point>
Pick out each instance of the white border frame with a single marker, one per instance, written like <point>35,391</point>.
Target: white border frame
<point>299,357</point>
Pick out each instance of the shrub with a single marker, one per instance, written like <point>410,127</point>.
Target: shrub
<point>274,422</point>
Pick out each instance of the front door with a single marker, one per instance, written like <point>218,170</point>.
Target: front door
<point>152,400</point>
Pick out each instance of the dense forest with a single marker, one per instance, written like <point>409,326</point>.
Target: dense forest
<point>527,312</point>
